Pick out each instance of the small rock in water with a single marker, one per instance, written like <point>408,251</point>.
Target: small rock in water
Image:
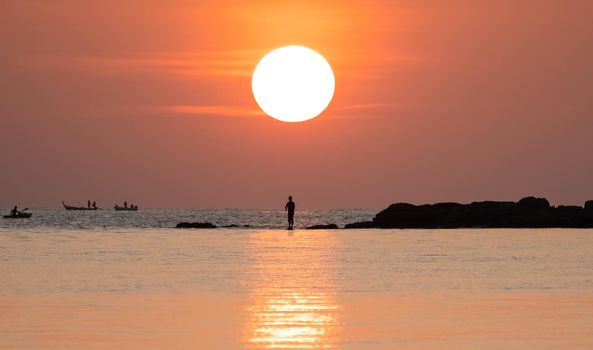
<point>195,225</point>
<point>323,227</point>
<point>363,224</point>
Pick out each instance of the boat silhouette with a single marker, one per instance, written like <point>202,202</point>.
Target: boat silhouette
<point>18,216</point>
<point>118,208</point>
<point>70,207</point>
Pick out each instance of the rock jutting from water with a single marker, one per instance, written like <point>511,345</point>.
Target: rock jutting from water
<point>529,212</point>
<point>361,224</point>
<point>195,225</point>
<point>323,227</point>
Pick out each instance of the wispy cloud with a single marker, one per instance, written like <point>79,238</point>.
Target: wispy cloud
<point>238,63</point>
<point>365,107</point>
<point>234,63</point>
<point>368,109</point>
<point>383,58</point>
<point>245,111</point>
<point>202,110</point>
<point>230,111</point>
<point>191,65</point>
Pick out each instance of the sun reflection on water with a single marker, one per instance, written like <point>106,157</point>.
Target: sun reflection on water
<point>293,299</point>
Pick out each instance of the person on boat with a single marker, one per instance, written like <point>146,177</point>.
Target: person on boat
<point>125,204</point>
<point>290,207</point>
<point>88,203</point>
<point>14,211</point>
<point>95,205</point>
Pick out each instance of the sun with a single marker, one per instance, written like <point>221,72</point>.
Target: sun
<point>293,84</point>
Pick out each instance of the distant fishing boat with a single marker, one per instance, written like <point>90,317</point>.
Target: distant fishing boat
<point>118,208</point>
<point>70,207</point>
<point>18,216</point>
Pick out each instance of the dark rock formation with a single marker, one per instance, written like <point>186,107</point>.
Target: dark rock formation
<point>409,215</point>
<point>323,227</point>
<point>529,212</point>
<point>534,203</point>
<point>572,216</point>
<point>362,224</point>
<point>479,214</point>
<point>195,225</point>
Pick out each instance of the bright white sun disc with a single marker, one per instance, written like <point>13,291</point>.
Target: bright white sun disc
<point>293,84</point>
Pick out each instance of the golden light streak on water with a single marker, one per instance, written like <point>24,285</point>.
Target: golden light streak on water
<point>293,305</point>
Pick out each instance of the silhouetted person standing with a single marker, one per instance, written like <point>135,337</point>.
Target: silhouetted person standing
<point>88,203</point>
<point>14,211</point>
<point>290,206</point>
<point>95,205</point>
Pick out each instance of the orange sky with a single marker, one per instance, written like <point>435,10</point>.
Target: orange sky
<point>150,102</point>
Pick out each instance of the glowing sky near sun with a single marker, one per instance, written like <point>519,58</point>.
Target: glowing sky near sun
<point>449,100</point>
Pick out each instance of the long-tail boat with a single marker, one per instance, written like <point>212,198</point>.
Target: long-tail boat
<point>132,208</point>
<point>70,207</point>
<point>18,216</point>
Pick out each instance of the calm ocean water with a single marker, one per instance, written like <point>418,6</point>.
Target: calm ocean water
<point>58,219</point>
<point>109,280</point>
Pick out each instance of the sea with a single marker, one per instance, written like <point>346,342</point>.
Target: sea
<point>130,280</point>
<point>60,219</point>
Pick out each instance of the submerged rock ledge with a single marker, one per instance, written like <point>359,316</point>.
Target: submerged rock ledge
<point>529,212</point>
<point>195,225</point>
<point>322,227</point>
